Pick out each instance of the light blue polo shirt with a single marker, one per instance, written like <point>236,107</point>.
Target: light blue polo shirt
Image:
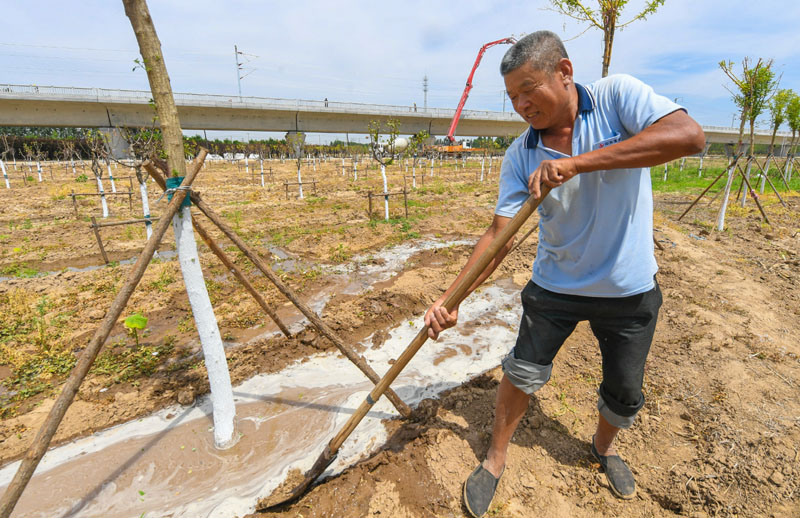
<point>595,230</point>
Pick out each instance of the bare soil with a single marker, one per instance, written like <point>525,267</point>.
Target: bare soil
<point>718,436</point>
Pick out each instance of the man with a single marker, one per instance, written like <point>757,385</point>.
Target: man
<point>593,146</point>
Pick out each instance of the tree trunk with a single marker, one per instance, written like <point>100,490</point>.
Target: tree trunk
<point>747,176</point>
<point>609,26</point>
<point>764,174</point>
<point>102,196</point>
<point>205,320</point>
<point>385,190</point>
<point>111,177</point>
<point>150,49</point>
<point>145,202</point>
<point>725,196</point>
<point>299,179</point>
<point>5,174</point>
<point>740,144</point>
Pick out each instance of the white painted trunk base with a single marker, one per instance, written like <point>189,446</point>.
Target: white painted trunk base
<point>5,174</point>
<point>386,196</point>
<point>102,196</point>
<point>744,187</point>
<point>725,196</point>
<point>111,178</point>
<point>764,174</point>
<point>206,322</point>
<point>146,209</point>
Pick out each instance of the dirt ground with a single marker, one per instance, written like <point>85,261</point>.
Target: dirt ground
<point>718,435</point>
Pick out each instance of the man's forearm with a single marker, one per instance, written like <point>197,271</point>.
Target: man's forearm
<point>674,136</point>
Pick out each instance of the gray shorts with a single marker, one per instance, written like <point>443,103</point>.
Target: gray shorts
<point>624,328</point>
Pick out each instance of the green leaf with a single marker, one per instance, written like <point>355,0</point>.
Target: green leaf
<point>136,321</point>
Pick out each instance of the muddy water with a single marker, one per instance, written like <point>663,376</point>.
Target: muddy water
<point>166,465</point>
<point>357,276</point>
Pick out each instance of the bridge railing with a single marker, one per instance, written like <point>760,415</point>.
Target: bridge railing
<point>233,101</point>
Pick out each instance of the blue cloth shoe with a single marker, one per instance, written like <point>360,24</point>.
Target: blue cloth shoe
<point>479,490</point>
<point>619,476</point>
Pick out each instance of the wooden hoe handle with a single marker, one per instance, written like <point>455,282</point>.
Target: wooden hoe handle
<point>450,302</point>
<point>329,453</point>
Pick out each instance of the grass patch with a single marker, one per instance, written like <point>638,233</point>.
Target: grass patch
<point>19,270</point>
<point>689,181</point>
<point>127,363</point>
<point>165,278</point>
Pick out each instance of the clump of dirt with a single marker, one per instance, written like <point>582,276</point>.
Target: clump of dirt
<point>284,491</point>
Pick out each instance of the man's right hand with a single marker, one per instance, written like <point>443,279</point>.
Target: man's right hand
<point>437,318</point>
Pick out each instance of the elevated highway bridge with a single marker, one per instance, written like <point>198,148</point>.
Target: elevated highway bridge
<point>56,106</point>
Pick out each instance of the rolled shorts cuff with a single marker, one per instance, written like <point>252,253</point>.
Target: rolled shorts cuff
<point>526,376</point>
<point>614,419</point>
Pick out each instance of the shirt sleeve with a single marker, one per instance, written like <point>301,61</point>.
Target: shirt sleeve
<point>638,106</point>
<point>513,189</point>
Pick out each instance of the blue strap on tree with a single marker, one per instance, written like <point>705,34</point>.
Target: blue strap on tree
<point>173,184</point>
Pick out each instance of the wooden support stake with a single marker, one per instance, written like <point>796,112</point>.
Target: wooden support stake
<point>74,204</point>
<point>317,322</point>
<point>405,199</point>
<point>528,233</point>
<point>48,429</point>
<point>766,177</point>
<point>704,192</point>
<point>369,210</point>
<point>99,240</point>
<point>752,194</point>
<point>126,222</point>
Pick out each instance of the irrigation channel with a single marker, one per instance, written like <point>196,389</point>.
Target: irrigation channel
<point>166,464</point>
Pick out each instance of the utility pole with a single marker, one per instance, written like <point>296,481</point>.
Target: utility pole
<point>504,100</point>
<point>238,70</point>
<point>425,91</point>
<point>240,66</point>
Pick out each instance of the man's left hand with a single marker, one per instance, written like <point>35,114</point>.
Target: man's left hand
<point>551,173</point>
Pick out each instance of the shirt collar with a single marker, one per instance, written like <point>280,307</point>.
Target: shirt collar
<point>586,103</point>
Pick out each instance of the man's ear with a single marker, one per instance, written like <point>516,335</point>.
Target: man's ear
<point>564,68</point>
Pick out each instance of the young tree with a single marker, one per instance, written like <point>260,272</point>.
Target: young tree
<point>754,87</point>
<point>415,146</point>
<point>27,152</point>
<point>96,146</point>
<point>295,140</point>
<point>752,91</point>
<point>68,153</point>
<point>6,150</point>
<point>605,18</point>
<point>777,112</point>
<point>143,145</point>
<point>777,116</point>
<point>222,403</point>
<point>793,119</point>
<point>38,155</point>
<point>385,152</point>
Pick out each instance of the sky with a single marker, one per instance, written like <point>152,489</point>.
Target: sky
<point>379,52</point>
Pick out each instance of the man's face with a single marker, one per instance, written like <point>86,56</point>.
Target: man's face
<point>541,98</point>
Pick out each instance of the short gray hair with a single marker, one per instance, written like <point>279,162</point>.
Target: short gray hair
<point>542,49</point>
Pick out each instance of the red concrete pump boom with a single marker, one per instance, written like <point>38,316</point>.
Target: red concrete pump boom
<point>452,131</point>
